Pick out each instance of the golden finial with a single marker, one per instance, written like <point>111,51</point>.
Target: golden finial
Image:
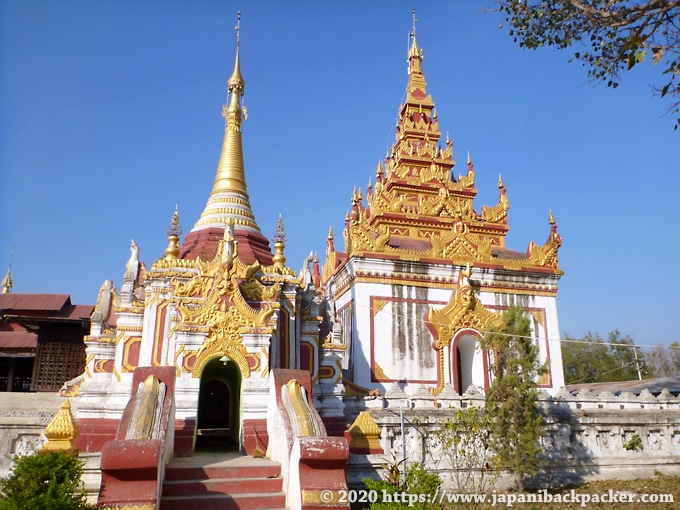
<point>370,184</point>
<point>448,139</point>
<point>379,172</point>
<point>7,282</point>
<point>280,234</point>
<point>347,216</point>
<point>330,233</point>
<point>173,233</point>
<point>500,182</point>
<point>62,430</point>
<point>360,196</point>
<point>236,80</point>
<point>551,218</point>
<point>469,158</point>
<point>354,196</point>
<point>279,258</point>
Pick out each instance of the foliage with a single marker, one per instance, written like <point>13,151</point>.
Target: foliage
<point>419,482</point>
<point>664,361</point>
<point>591,359</point>
<point>612,36</point>
<point>46,481</point>
<point>464,442</point>
<point>634,444</point>
<point>516,423</point>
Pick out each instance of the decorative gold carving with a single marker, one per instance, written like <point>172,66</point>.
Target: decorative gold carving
<point>264,358</point>
<point>499,212</point>
<point>178,353</point>
<point>129,342</point>
<point>546,255</point>
<point>464,310</point>
<point>379,305</point>
<point>62,430</point>
<point>538,315</point>
<point>224,284</point>
<point>365,432</point>
<point>378,372</point>
<point>88,360</point>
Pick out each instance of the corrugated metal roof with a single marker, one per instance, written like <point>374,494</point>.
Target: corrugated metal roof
<point>19,341</point>
<point>44,302</point>
<point>55,307</point>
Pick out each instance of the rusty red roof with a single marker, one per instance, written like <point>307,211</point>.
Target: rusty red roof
<point>18,341</point>
<point>52,302</point>
<point>43,306</point>
<point>506,253</point>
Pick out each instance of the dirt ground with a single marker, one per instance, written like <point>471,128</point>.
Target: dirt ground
<point>627,494</point>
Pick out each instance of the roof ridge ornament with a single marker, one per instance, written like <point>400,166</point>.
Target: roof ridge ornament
<point>7,282</point>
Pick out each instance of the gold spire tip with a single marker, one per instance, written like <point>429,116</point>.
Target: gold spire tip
<point>175,229</point>
<point>280,234</point>
<point>551,218</point>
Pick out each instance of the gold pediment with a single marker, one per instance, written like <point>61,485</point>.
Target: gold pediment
<point>463,311</point>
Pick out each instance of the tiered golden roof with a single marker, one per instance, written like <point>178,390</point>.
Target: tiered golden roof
<point>417,210</point>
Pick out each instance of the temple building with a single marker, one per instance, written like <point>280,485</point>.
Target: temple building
<point>424,275</point>
<point>421,278</point>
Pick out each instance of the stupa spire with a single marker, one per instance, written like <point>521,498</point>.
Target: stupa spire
<point>229,204</point>
<point>229,197</point>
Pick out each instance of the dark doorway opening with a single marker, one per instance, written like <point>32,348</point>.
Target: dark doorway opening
<point>218,420</point>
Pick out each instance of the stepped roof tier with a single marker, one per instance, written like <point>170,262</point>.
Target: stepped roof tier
<point>229,203</point>
<point>418,211</point>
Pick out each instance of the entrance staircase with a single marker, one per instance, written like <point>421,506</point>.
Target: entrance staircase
<point>222,481</point>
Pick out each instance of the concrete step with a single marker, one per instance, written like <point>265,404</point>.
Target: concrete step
<point>232,485</point>
<point>209,481</point>
<point>225,502</point>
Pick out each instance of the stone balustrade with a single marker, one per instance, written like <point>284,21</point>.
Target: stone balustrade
<point>590,436</point>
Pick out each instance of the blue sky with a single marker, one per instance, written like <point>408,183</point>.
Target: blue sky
<point>110,115</point>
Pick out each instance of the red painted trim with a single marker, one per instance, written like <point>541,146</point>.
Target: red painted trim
<point>159,335</point>
<point>307,357</point>
<point>94,433</point>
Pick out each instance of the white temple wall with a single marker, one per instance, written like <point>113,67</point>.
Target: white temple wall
<point>386,317</point>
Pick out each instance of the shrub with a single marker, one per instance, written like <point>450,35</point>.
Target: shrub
<point>419,482</point>
<point>46,481</point>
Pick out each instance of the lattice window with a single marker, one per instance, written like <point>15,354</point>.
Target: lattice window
<point>57,362</point>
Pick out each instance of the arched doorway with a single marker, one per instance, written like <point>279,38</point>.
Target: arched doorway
<point>219,406</point>
<point>467,365</point>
